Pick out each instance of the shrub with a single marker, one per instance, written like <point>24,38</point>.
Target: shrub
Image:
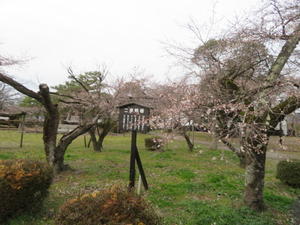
<point>289,173</point>
<point>154,143</point>
<point>114,206</point>
<point>23,186</point>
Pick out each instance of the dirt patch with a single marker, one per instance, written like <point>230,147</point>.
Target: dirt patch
<point>272,153</point>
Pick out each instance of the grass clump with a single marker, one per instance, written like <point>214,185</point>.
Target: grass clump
<point>23,186</point>
<point>113,206</point>
<point>289,173</point>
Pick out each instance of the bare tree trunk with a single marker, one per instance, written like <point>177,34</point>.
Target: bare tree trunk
<point>94,140</point>
<point>50,136</point>
<point>254,179</point>
<point>58,159</point>
<point>188,141</point>
<point>102,131</point>
<point>51,121</point>
<point>55,152</point>
<point>103,134</point>
<point>64,142</point>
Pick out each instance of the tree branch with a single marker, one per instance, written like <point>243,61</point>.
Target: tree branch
<point>70,103</point>
<point>19,87</point>
<point>278,113</point>
<point>229,145</point>
<point>70,71</point>
<point>72,135</point>
<point>286,51</point>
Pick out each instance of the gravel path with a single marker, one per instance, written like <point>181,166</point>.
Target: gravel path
<point>271,154</point>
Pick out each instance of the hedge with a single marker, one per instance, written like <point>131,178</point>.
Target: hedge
<point>289,173</point>
<point>113,206</point>
<point>23,186</point>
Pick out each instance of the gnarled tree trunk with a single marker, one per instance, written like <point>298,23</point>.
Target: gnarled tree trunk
<point>51,122</point>
<point>54,152</point>
<point>96,145</point>
<point>101,131</point>
<point>59,151</point>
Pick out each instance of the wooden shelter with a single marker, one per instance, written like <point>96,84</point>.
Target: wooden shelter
<point>12,116</point>
<point>13,121</point>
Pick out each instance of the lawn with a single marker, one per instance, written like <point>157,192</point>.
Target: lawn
<point>185,188</point>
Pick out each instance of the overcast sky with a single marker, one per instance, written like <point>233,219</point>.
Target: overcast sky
<point>54,34</point>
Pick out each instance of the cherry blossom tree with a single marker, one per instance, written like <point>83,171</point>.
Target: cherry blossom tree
<point>89,104</point>
<point>85,91</point>
<point>248,85</point>
<point>174,109</point>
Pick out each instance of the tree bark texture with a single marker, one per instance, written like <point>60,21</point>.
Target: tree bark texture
<point>254,179</point>
<point>188,141</point>
<point>285,53</point>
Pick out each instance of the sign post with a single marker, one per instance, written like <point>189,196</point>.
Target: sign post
<point>22,124</point>
<point>135,157</point>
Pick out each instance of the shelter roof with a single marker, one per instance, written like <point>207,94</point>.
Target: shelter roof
<point>134,103</point>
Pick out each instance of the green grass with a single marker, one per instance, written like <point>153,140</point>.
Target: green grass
<point>185,188</point>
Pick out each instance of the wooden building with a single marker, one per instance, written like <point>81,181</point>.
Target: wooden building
<point>10,120</point>
<point>134,115</point>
